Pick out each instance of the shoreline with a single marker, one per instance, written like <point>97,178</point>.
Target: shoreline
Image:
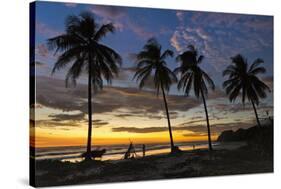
<point>115,156</point>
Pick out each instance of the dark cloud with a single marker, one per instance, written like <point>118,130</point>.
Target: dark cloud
<point>70,117</point>
<point>194,134</point>
<point>196,129</point>
<point>144,114</point>
<point>55,124</point>
<point>139,130</point>
<point>52,93</point>
<point>218,128</point>
<point>197,117</point>
<point>64,121</point>
<point>38,63</point>
<point>99,123</point>
<point>233,108</point>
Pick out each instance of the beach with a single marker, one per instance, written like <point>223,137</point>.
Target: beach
<point>116,152</point>
<point>234,159</point>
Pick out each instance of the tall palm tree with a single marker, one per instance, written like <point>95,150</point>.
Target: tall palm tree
<point>244,80</point>
<point>80,48</point>
<point>192,75</point>
<point>152,61</point>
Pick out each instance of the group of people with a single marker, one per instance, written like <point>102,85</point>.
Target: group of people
<point>131,153</point>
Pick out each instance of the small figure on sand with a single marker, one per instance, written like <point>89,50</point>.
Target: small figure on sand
<point>193,146</point>
<point>130,153</point>
<point>143,150</point>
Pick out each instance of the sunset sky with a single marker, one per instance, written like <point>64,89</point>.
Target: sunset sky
<point>122,112</point>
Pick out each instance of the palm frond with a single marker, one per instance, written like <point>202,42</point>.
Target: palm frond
<point>103,31</point>
<point>208,79</point>
<point>166,54</point>
<point>256,64</point>
<point>74,71</point>
<point>66,58</point>
<point>244,81</point>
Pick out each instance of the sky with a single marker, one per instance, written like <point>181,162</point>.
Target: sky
<point>121,111</point>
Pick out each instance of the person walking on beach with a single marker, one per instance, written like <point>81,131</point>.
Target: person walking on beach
<point>143,150</point>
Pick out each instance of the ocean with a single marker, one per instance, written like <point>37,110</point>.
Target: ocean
<point>116,152</point>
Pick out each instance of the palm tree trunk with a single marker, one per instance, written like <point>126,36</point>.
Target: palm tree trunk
<point>257,117</point>
<point>207,119</point>
<point>168,118</point>
<point>89,108</point>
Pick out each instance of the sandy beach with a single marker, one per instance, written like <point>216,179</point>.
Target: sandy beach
<point>194,163</point>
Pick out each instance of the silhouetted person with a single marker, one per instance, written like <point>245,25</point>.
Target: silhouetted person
<point>131,153</point>
<point>193,146</point>
<point>143,150</point>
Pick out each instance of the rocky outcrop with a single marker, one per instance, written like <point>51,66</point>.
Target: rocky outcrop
<point>245,134</point>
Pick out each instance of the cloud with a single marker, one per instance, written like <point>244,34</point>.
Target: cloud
<point>180,15</point>
<point>38,63</point>
<point>71,5</point>
<point>218,128</point>
<point>120,18</point>
<point>140,30</point>
<point>53,94</point>
<point>46,30</point>
<point>42,50</point>
<point>55,124</point>
<point>189,130</point>
<point>69,117</point>
<point>144,114</point>
<point>176,41</point>
<point>109,12</point>
<point>139,130</point>
<point>219,36</point>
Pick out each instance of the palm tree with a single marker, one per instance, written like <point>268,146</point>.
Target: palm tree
<point>152,61</point>
<point>80,48</point>
<point>192,75</point>
<point>243,80</point>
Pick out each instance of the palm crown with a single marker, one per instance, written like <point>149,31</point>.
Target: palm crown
<point>243,80</point>
<point>151,61</point>
<point>80,45</point>
<point>192,74</point>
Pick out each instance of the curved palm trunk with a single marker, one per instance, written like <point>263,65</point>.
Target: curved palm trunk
<point>168,118</point>
<point>89,109</point>
<point>257,117</point>
<point>207,119</point>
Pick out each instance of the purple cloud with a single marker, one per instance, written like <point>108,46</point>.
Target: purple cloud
<point>45,30</point>
<point>219,36</point>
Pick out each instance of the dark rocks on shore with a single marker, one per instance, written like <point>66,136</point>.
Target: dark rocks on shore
<point>245,134</point>
<point>258,138</point>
